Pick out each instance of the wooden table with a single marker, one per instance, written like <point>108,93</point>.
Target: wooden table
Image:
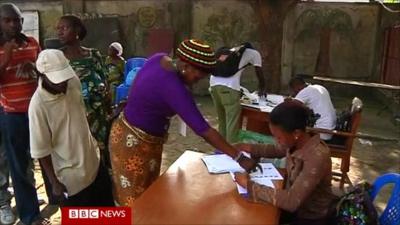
<point>254,119</point>
<point>187,194</point>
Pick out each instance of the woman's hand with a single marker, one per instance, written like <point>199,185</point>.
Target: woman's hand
<point>249,164</point>
<point>242,179</point>
<point>247,148</point>
<point>243,147</point>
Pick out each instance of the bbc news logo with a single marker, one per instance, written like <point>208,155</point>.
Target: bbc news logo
<point>96,215</point>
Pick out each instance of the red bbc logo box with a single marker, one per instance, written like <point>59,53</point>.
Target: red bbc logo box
<point>96,215</point>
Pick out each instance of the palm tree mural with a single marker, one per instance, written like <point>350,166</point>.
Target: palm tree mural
<point>321,23</point>
<point>228,27</point>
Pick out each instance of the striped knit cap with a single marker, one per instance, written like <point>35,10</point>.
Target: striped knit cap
<point>197,53</point>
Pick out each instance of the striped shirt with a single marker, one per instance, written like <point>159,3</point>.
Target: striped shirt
<point>16,93</point>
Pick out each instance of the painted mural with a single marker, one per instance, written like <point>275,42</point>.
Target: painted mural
<point>227,27</point>
<point>223,24</point>
<point>321,24</point>
<point>147,16</point>
<point>331,40</point>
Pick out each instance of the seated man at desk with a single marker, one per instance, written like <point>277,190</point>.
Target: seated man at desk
<point>307,197</point>
<point>317,98</point>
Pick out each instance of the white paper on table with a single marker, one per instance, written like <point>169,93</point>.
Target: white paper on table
<point>221,163</point>
<point>244,90</point>
<point>264,104</point>
<point>182,128</point>
<point>275,99</point>
<point>252,96</point>
<point>267,109</point>
<point>269,171</point>
<point>263,181</point>
<point>257,106</point>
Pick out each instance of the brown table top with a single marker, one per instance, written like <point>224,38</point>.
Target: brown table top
<point>187,194</point>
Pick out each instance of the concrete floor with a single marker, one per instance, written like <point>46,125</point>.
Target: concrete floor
<point>370,157</point>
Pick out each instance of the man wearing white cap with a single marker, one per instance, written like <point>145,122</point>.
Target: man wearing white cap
<point>60,137</point>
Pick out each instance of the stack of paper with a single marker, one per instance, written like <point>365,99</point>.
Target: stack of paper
<point>222,163</point>
<point>275,99</point>
<point>263,104</point>
<point>269,174</point>
<point>263,181</point>
<point>253,97</point>
<point>267,109</point>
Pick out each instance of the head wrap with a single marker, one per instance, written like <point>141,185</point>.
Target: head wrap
<point>118,47</point>
<point>197,53</point>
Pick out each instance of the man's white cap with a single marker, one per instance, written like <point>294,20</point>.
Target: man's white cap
<point>53,64</point>
<point>117,46</point>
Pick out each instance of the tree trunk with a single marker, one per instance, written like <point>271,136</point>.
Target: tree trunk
<point>272,15</point>
<point>323,66</point>
<point>181,19</point>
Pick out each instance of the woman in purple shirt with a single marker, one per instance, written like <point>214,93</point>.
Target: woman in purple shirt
<point>158,93</point>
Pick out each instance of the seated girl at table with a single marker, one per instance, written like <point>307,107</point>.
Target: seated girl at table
<point>307,196</point>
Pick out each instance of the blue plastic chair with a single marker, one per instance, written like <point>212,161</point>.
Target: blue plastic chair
<point>130,77</point>
<point>391,214</point>
<point>132,66</point>
<point>132,63</point>
<point>121,93</point>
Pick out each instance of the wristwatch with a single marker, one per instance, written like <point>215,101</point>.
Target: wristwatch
<point>239,156</point>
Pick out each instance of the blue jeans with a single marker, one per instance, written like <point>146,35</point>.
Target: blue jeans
<point>5,196</point>
<point>15,138</point>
